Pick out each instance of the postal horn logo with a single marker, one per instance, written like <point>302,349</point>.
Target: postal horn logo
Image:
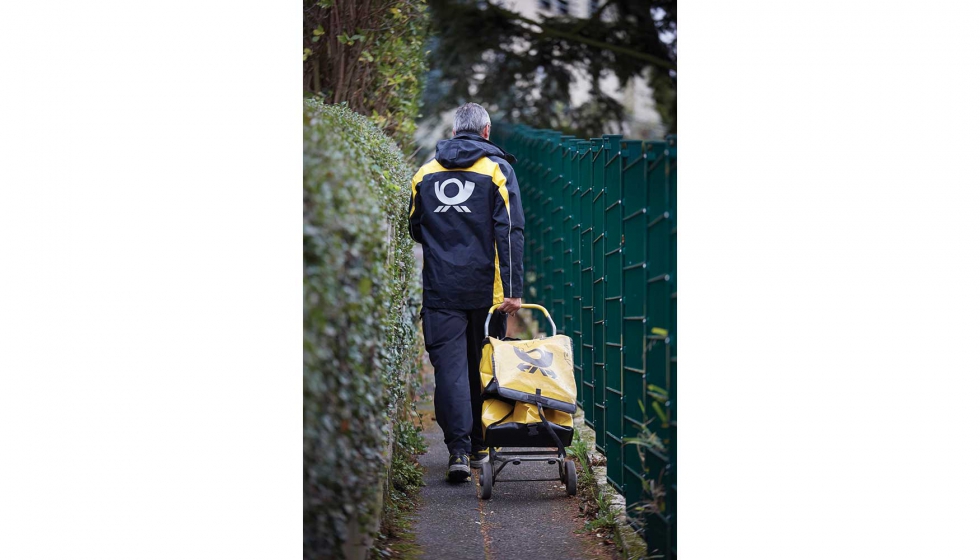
<point>463,193</point>
<point>534,364</point>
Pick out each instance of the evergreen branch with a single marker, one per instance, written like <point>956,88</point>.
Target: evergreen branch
<point>595,17</point>
<point>552,32</point>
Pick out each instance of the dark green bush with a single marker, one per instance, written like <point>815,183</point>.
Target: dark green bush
<point>360,341</point>
<point>406,473</point>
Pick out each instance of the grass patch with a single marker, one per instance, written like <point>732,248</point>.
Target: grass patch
<point>596,505</point>
<point>605,518</point>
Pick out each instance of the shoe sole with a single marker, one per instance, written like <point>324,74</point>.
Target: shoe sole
<point>458,473</point>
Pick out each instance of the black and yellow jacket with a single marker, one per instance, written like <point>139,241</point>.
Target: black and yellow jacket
<point>466,212</point>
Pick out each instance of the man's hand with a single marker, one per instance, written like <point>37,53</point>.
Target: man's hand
<point>510,305</point>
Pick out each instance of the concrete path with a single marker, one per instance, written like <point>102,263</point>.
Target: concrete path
<point>533,520</point>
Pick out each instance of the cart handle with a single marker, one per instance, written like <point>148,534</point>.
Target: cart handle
<point>486,325</point>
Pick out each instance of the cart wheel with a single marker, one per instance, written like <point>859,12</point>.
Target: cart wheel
<point>561,472</point>
<point>486,481</point>
<point>570,478</point>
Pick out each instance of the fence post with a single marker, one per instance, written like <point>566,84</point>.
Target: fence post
<point>671,498</point>
<point>588,311</point>
<point>567,232</point>
<point>544,215</point>
<point>538,224</point>
<point>659,524</point>
<point>612,209</point>
<point>598,293</point>
<point>575,165</point>
<point>550,178</point>
<point>634,320</point>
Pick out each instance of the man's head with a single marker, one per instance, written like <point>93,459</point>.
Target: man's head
<point>472,118</point>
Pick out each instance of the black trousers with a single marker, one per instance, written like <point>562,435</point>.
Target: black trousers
<point>453,339</point>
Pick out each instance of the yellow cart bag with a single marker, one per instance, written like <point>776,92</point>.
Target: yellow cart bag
<point>520,375</point>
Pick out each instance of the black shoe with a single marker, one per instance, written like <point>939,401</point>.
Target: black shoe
<point>479,456</point>
<point>459,468</point>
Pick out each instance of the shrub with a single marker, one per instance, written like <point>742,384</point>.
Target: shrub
<point>360,340</point>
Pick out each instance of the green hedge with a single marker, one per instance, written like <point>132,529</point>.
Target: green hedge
<point>360,342</point>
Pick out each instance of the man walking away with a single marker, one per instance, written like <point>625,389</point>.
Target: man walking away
<point>466,212</point>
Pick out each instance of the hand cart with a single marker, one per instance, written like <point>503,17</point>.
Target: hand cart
<point>529,399</point>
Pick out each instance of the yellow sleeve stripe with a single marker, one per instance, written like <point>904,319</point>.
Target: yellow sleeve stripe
<point>501,182</point>
<point>498,285</point>
<point>490,168</point>
<point>411,211</point>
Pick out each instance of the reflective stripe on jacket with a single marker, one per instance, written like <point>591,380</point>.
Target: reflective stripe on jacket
<point>466,212</point>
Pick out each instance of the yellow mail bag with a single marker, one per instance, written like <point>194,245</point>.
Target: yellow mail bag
<point>530,371</point>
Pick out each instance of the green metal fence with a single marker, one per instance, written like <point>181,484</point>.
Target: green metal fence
<point>600,254</point>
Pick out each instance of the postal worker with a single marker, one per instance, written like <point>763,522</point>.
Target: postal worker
<point>466,212</point>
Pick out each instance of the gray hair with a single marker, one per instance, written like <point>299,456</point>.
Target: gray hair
<point>471,118</point>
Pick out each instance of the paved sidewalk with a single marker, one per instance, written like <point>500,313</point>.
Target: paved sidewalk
<point>521,520</point>
<point>528,520</point>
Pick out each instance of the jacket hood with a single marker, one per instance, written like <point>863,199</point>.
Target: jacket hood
<point>465,149</point>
